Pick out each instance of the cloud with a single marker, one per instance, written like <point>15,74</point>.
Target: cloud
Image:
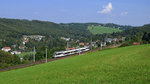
<point>106,9</point>
<point>124,13</point>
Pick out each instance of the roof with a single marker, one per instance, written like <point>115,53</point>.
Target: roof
<point>136,43</point>
<point>71,48</point>
<point>6,48</point>
<point>108,39</point>
<point>81,43</point>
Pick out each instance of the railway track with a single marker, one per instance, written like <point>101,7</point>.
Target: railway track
<point>53,59</point>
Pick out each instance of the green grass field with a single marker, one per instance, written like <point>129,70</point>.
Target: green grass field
<point>23,54</point>
<point>127,65</point>
<point>102,30</point>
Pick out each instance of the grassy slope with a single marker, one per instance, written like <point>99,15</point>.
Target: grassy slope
<point>114,66</point>
<point>101,30</point>
<point>26,53</point>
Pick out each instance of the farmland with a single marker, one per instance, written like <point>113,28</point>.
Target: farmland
<point>112,66</point>
<point>102,29</point>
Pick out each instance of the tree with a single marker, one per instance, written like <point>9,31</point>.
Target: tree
<point>7,59</point>
<point>146,37</point>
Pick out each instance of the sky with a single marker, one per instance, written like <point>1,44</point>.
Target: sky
<point>123,12</point>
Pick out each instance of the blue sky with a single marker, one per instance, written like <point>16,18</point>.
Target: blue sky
<point>124,12</point>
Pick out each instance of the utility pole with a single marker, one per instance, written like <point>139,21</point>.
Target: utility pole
<point>67,45</point>
<point>46,56</point>
<point>34,55</point>
<point>79,52</point>
<point>91,44</point>
<point>114,43</point>
<point>129,38</point>
<point>101,45</point>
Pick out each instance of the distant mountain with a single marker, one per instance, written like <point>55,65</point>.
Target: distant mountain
<point>13,27</point>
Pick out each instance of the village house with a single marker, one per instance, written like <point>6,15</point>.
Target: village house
<point>35,37</point>
<point>136,43</point>
<point>6,49</point>
<point>82,44</point>
<point>86,45</point>
<point>115,39</point>
<point>93,44</point>
<point>25,42</point>
<point>66,39</point>
<point>109,40</point>
<point>15,52</point>
<point>77,41</point>
<point>123,38</point>
<point>22,48</point>
<point>103,44</point>
<point>71,48</point>
<point>14,46</point>
<point>118,39</point>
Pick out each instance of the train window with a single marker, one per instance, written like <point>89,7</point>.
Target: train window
<point>58,53</point>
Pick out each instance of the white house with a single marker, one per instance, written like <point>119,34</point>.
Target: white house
<point>109,40</point>
<point>6,49</point>
<point>66,39</point>
<point>115,39</point>
<point>15,52</point>
<point>123,38</point>
<point>22,48</point>
<point>103,44</point>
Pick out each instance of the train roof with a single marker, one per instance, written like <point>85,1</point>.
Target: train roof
<point>71,50</point>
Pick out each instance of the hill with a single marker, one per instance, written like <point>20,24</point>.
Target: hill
<point>11,27</point>
<point>113,66</point>
<point>102,29</point>
<point>12,31</point>
<point>17,27</point>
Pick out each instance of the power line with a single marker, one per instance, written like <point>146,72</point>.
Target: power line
<point>46,56</point>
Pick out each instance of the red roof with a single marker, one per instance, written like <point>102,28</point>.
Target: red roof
<point>81,43</point>
<point>135,43</point>
<point>26,40</point>
<point>71,48</point>
<point>6,48</point>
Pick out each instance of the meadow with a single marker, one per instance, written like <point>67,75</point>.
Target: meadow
<point>25,53</point>
<point>126,65</point>
<point>102,29</point>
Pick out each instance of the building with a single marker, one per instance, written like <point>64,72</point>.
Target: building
<point>25,42</point>
<point>66,39</point>
<point>22,48</point>
<point>87,45</point>
<point>109,40</point>
<point>123,38</point>
<point>6,49</point>
<point>71,48</point>
<point>81,44</point>
<point>15,52</point>
<point>35,37</point>
<point>14,46</point>
<point>103,44</point>
<point>136,43</point>
<point>115,39</point>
